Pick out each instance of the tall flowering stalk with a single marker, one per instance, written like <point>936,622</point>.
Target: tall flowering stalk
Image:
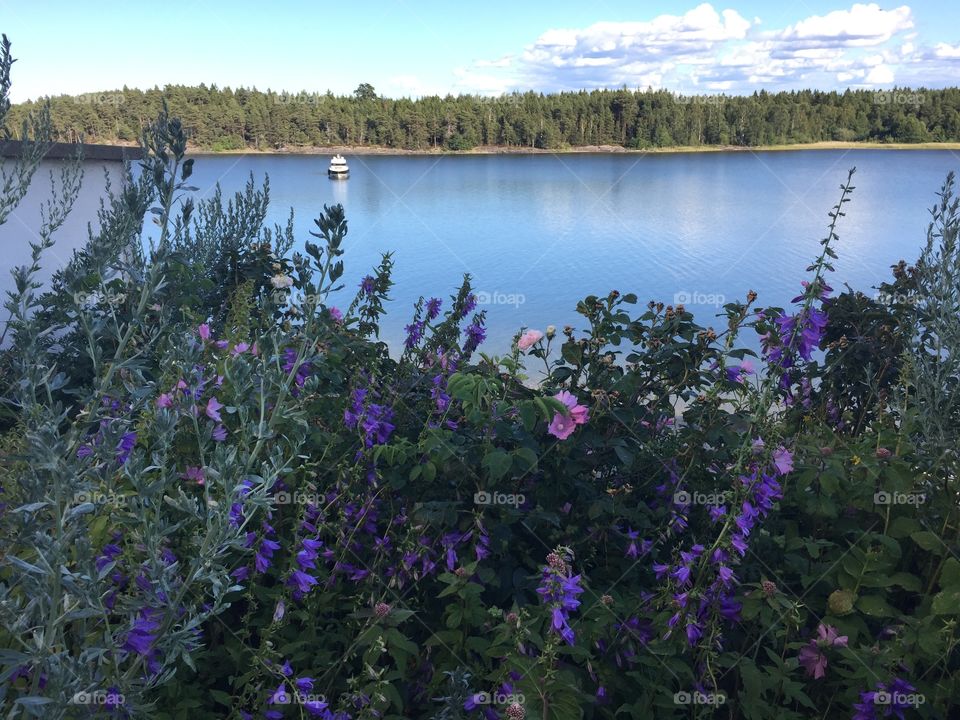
<point>559,590</point>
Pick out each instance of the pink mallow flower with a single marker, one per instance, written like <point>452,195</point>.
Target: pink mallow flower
<point>213,409</point>
<point>561,427</point>
<point>579,413</point>
<point>812,655</point>
<point>164,400</point>
<point>564,424</point>
<point>783,460</point>
<point>529,339</point>
<point>204,332</point>
<point>195,473</point>
<point>335,314</point>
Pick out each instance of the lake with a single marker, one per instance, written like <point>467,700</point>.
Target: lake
<point>539,232</point>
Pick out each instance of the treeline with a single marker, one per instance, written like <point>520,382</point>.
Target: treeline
<point>225,119</point>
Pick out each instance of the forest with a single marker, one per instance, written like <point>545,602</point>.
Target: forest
<point>226,119</point>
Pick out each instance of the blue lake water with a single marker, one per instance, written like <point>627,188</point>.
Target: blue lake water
<point>539,232</point>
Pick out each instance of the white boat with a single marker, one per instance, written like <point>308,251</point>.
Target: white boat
<point>338,167</point>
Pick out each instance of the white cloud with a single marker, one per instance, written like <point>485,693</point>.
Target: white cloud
<point>860,26</point>
<point>879,75</point>
<point>949,52</point>
<point>710,49</point>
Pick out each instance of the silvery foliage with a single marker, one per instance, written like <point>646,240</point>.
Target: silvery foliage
<point>57,632</point>
<point>935,356</point>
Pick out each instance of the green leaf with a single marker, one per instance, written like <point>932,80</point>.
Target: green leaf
<point>221,697</point>
<point>902,527</point>
<point>875,605</point>
<point>528,415</point>
<point>497,463</point>
<point>928,541</point>
<point>946,602</point>
<point>950,575</point>
<point>527,457</point>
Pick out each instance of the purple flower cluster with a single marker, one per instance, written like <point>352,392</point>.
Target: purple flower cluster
<point>303,369</point>
<point>469,305</point>
<point>559,590</point>
<point>476,334</point>
<point>702,584</point>
<point>433,308</point>
<point>375,420</point>
<point>142,636</point>
<point>678,502</point>
<point>796,337</point>
<point>302,691</point>
<point>301,579</point>
<point>798,334</point>
<point>414,334</point>
<point>115,412</point>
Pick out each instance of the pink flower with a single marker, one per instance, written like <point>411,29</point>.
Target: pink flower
<point>336,314</point>
<point>578,413</point>
<point>204,332</point>
<point>213,409</point>
<point>783,460</point>
<point>813,661</point>
<point>561,427</point>
<point>827,636</point>
<point>812,656</point>
<point>240,348</point>
<point>222,344</point>
<point>164,401</point>
<point>195,473</point>
<point>746,367</point>
<point>529,339</point>
<point>219,433</point>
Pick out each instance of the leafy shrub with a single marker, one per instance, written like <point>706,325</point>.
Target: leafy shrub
<point>223,497</point>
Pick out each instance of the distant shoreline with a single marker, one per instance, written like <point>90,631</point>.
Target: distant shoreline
<point>586,149</point>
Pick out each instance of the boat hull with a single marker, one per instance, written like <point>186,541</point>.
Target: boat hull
<point>338,174</point>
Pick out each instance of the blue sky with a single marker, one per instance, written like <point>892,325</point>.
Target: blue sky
<point>408,48</point>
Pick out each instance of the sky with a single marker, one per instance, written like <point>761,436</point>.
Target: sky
<point>406,48</point>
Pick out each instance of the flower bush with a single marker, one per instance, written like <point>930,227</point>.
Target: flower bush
<point>223,497</point>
